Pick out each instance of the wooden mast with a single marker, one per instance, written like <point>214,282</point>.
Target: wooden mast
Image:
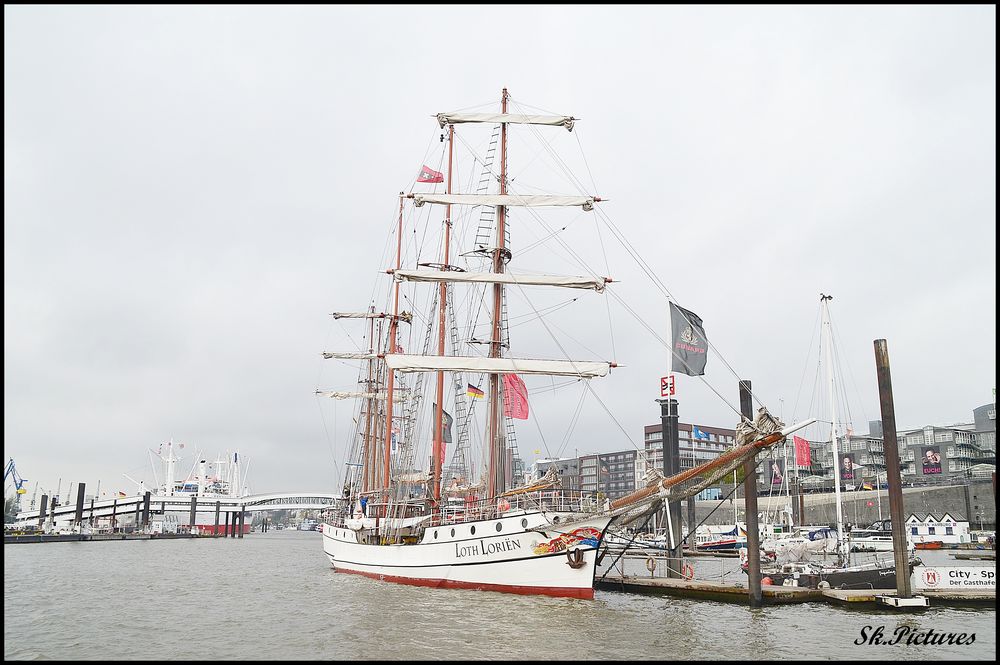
<point>367,474</point>
<point>393,328</point>
<point>497,466</point>
<point>438,450</point>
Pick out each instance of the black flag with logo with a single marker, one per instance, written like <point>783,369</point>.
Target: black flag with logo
<point>690,346</point>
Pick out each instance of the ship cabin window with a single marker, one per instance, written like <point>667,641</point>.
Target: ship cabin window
<point>499,526</point>
<point>472,530</point>
<point>452,533</point>
<point>930,530</point>
<point>913,531</point>
<point>524,524</point>
<point>949,531</point>
<point>435,534</point>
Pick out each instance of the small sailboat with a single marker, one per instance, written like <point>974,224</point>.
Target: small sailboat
<point>460,524</point>
<point>794,565</point>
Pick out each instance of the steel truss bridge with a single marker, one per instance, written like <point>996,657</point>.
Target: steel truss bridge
<point>83,510</point>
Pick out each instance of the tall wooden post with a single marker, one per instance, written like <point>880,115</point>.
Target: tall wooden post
<point>750,505</point>
<point>218,505</point>
<point>43,510</point>
<point>900,552</point>
<point>78,517</point>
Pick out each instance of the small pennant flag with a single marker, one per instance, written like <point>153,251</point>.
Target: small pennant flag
<point>446,421</point>
<point>428,174</point>
<point>475,392</point>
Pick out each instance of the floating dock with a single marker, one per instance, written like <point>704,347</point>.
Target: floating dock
<point>777,595</point>
<point>704,590</point>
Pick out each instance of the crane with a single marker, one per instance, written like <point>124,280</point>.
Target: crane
<point>11,472</point>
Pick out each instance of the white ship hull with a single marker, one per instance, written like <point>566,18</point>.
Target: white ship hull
<point>520,553</point>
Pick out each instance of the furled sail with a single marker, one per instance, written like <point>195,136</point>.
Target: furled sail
<point>403,316</point>
<point>495,118</point>
<point>765,432</point>
<point>414,363</point>
<point>349,356</point>
<point>570,282</point>
<point>529,200</point>
<point>356,395</point>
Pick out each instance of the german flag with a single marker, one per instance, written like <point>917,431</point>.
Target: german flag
<point>475,392</point>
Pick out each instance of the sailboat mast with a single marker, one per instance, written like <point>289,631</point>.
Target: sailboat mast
<point>438,452</point>
<point>368,477</point>
<point>393,328</point>
<point>497,466</point>
<point>828,334</point>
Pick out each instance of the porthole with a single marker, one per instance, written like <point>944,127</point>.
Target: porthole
<point>472,530</point>
<point>524,523</point>
<point>435,534</point>
<point>499,526</point>
<point>452,533</point>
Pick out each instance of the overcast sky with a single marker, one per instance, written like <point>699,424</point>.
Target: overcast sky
<point>190,191</point>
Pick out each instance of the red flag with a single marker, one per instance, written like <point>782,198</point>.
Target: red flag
<point>428,174</point>
<point>802,452</point>
<point>515,403</point>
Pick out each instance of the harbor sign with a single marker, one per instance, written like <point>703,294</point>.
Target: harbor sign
<point>954,578</point>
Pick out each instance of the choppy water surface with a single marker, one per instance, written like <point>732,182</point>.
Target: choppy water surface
<point>274,596</point>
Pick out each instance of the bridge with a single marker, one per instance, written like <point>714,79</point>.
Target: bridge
<point>148,503</point>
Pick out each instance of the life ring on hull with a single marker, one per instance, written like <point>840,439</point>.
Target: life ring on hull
<point>574,558</point>
<point>650,564</point>
<point>687,571</point>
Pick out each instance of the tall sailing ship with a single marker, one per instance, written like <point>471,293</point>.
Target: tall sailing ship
<point>450,526</point>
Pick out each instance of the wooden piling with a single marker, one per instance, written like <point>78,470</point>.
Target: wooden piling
<point>900,551</point>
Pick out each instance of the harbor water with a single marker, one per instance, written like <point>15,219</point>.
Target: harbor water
<point>274,596</point>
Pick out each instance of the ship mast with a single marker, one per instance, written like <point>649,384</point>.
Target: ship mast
<point>368,479</point>
<point>828,333</point>
<point>497,463</point>
<point>393,329</point>
<point>438,453</point>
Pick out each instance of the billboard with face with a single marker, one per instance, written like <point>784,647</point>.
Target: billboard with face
<point>931,460</point>
<point>847,466</point>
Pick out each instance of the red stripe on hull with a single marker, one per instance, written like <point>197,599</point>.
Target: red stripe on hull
<point>584,594</point>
